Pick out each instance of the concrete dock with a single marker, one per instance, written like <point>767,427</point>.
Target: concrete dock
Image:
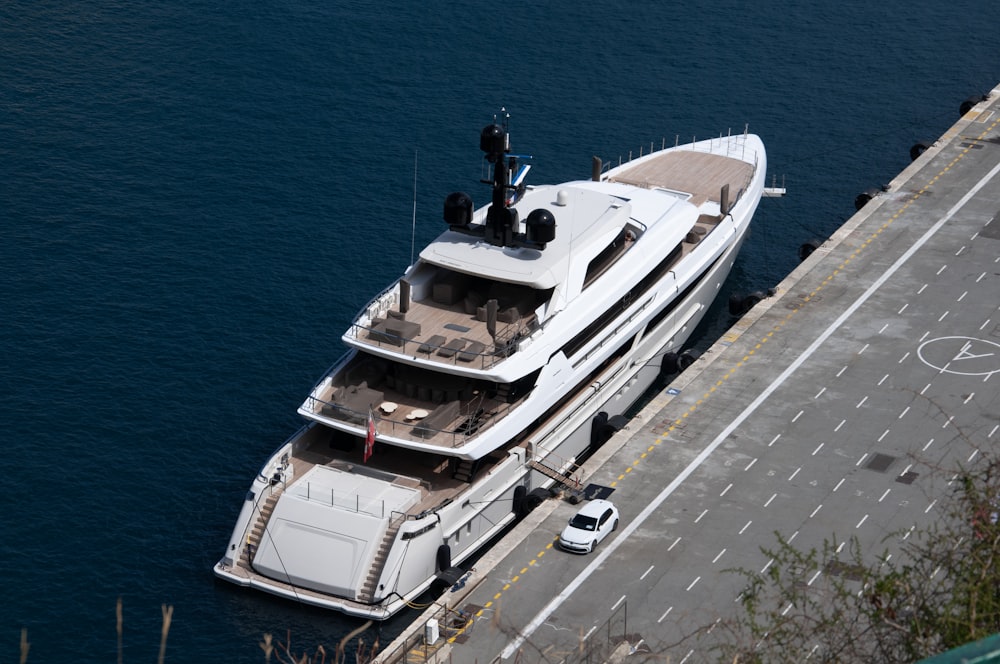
<point>831,410</point>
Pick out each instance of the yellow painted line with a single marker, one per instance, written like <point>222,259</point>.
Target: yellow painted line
<point>514,580</point>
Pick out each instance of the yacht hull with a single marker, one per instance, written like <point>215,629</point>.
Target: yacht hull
<point>303,536</point>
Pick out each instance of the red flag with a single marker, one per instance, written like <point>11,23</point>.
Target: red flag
<point>370,436</point>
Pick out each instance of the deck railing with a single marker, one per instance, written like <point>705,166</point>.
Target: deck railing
<point>351,502</point>
<point>505,344</point>
<point>475,420</point>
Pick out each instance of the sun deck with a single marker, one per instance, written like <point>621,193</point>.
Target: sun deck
<point>455,320</point>
<point>700,174</point>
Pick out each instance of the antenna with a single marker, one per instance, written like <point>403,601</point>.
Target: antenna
<point>413,224</point>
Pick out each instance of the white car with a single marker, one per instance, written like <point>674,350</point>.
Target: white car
<point>595,521</point>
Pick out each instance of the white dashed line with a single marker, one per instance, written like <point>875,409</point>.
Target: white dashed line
<point>644,574</point>
<point>818,508</point>
<point>942,269</point>
<point>665,614</point>
<point>842,370</point>
<point>797,416</point>
<point>774,440</point>
<point>716,559</point>
<point>862,402</point>
<point>696,580</point>
<point>795,473</point>
<point>839,483</point>
<point>884,495</point>
<point>883,379</point>
<point>842,422</point>
<point>903,359</point>
<point>921,289</point>
<point>903,308</point>
<point>671,547</point>
<point>905,411</point>
<point>962,296</point>
<point>883,328</point>
<point>770,499</point>
<point>750,465</point>
<point>863,519</point>
<point>703,513</point>
<point>818,449</point>
<point>884,434</point>
<point>745,527</point>
<point>929,442</point>
<point>819,393</point>
<point>726,490</point>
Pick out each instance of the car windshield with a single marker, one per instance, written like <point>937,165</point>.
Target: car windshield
<point>583,522</point>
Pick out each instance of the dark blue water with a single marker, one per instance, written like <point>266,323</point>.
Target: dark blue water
<point>196,197</point>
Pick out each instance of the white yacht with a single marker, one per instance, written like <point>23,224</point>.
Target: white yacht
<point>508,350</point>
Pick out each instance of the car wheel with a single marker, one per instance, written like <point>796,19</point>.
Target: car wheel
<point>614,526</point>
<point>593,545</point>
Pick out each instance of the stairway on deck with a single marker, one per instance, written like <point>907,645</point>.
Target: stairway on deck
<point>257,532</point>
<point>367,593</point>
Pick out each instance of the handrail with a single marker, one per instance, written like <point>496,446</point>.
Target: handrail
<point>345,502</point>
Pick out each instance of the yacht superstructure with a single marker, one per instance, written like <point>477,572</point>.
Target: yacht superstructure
<point>489,368</point>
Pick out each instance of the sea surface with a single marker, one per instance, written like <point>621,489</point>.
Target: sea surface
<point>196,197</point>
